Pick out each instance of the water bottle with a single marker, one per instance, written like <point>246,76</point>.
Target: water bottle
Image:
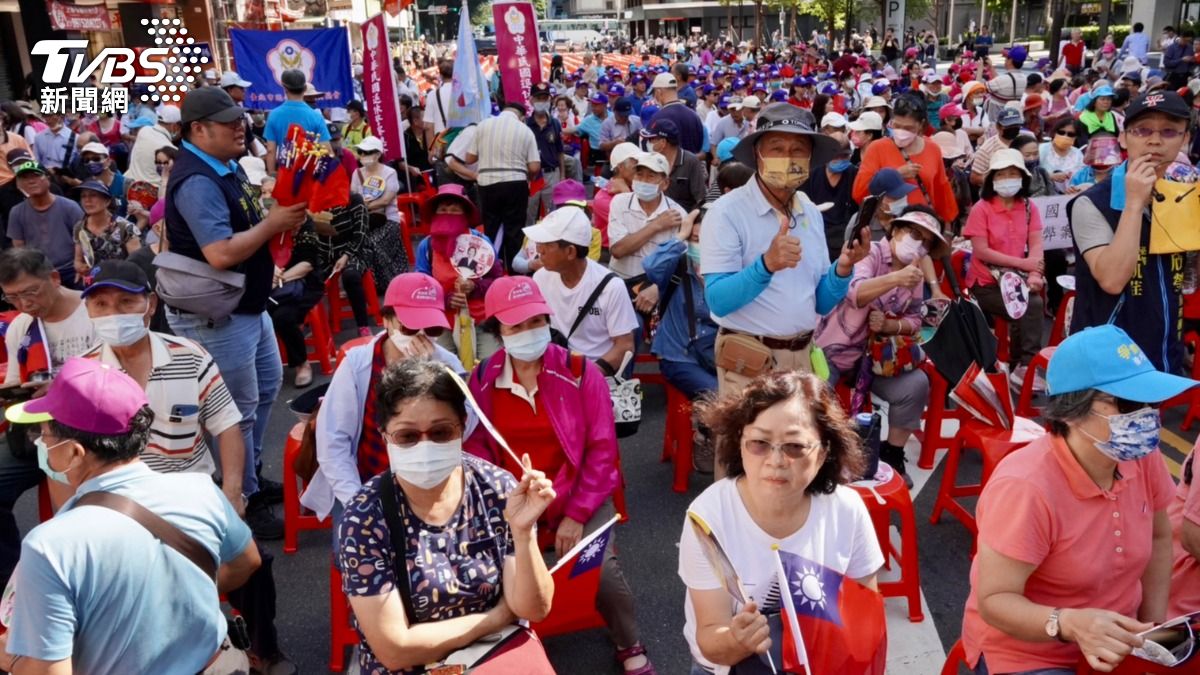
<point>869,430</point>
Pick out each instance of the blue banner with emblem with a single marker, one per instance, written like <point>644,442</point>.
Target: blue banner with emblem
<point>322,55</point>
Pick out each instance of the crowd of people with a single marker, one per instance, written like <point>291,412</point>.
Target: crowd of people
<point>778,228</point>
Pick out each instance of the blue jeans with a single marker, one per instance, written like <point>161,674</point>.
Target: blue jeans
<point>982,669</point>
<point>244,349</point>
<point>689,378</point>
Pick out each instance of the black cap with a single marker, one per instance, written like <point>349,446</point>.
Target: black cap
<point>210,103</point>
<point>18,156</point>
<point>539,89</point>
<point>623,106</point>
<point>94,186</point>
<point>294,81</point>
<point>1166,102</point>
<point>120,274</point>
<point>662,127</point>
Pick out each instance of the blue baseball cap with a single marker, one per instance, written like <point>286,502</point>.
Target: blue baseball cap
<point>778,95</point>
<point>723,102</point>
<point>1009,117</point>
<point>599,99</point>
<point>1106,359</point>
<point>889,182</point>
<point>616,89</point>
<point>1018,54</point>
<point>725,148</point>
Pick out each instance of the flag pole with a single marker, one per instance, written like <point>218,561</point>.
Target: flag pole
<point>785,595</point>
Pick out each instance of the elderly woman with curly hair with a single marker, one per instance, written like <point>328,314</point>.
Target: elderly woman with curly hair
<point>787,447</point>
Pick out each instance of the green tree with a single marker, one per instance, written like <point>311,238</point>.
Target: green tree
<point>831,13</point>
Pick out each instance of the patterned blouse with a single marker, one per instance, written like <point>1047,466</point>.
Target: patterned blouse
<point>454,569</point>
<point>107,246</point>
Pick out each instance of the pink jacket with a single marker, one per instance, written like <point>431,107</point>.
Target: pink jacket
<point>582,417</point>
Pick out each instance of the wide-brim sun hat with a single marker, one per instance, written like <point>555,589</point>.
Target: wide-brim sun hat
<point>1005,158</point>
<point>450,192</point>
<point>786,118</point>
<point>930,224</point>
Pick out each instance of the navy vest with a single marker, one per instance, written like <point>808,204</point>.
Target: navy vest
<point>243,214</point>
<point>1150,308</point>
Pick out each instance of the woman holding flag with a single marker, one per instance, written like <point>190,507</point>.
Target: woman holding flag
<point>787,447</point>
<point>438,552</point>
<point>555,406</point>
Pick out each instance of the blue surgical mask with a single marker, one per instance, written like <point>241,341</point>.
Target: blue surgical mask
<point>95,168</point>
<point>693,253</point>
<point>43,459</point>
<point>839,165</point>
<point>645,190</point>
<point>1131,436</point>
<point>528,345</point>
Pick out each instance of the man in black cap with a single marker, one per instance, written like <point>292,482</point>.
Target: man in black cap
<point>213,217</point>
<point>686,183</point>
<point>44,220</point>
<point>550,149</point>
<point>10,196</point>
<point>292,111</point>
<point>507,153</point>
<point>1117,279</point>
<point>619,126</point>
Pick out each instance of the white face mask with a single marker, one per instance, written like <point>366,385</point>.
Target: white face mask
<point>1007,187</point>
<point>120,330</point>
<point>426,464</point>
<point>897,207</point>
<point>528,345</point>
<point>646,191</point>
<point>368,160</point>
<point>400,340</point>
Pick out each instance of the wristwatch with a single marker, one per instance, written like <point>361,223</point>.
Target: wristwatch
<point>1052,627</point>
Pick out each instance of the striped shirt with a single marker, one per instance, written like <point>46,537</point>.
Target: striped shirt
<point>505,146</point>
<point>188,396</point>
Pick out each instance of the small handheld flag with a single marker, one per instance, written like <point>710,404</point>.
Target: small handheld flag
<point>576,582</point>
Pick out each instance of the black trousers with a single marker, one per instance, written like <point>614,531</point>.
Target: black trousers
<point>352,282</point>
<point>503,206</point>
<point>289,325</point>
<point>255,601</point>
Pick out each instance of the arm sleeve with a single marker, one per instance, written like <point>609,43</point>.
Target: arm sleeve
<point>237,533</point>
<point>204,210</point>
<point>943,195</point>
<point>218,411</point>
<point>832,289</point>
<point>1162,487</point>
<point>1015,520</point>
<point>1088,226</point>
<point>727,292</point>
<point>976,222</point>
<point>43,622</point>
<point>694,569</point>
<point>338,428</point>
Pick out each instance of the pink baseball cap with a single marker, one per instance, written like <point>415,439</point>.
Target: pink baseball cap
<point>86,395</point>
<point>513,300</point>
<point>417,300</point>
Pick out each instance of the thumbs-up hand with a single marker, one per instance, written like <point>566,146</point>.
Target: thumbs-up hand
<point>785,250</point>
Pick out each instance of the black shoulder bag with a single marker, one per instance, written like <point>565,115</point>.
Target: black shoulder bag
<point>563,340</point>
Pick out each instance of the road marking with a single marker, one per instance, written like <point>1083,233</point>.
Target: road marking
<point>1173,441</point>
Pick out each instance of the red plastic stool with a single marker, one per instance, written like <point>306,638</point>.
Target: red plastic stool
<point>1190,398</point>
<point>1000,328</point>
<point>351,344</point>
<point>1025,407</point>
<point>957,657</point>
<point>319,341</point>
<point>342,633</point>
<point>677,437</point>
<point>896,499</point>
<point>936,413</point>
<point>339,306</point>
<point>995,444</point>
<point>1058,332</point>
<point>296,517</point>
<point>648,378</point>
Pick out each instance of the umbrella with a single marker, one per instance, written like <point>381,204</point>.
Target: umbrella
<point>963,337</point>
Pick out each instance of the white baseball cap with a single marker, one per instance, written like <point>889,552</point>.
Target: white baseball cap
<point>665,81</point>
<point>168,114</point>
<point>566,223</point>
<point>210,74</point>
<point>833,119</point>
<point>95,148</point>
<point>370,144</point>
<point>867,121</point>
<point>751,102</point>
<point>875,102</point>
<point>622,152</point>
<point>230,78</point>
<point>655,162</point>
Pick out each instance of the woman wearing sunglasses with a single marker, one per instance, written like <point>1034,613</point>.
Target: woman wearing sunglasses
<point>1074,538</point>
<point>350,448</point>
<point>787,447</point>
<point>1059,155</point>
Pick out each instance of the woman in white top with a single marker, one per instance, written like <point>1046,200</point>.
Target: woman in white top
<point>1059,156</point>
<point>379,184</point>
<point>786,445</point>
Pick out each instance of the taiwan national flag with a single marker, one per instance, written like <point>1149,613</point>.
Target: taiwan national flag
<point>576,580</point>
<point>833,625</point>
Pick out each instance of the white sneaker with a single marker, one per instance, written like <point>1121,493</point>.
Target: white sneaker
<point>1017,376</point>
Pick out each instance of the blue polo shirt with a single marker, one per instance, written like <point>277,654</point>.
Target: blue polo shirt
<point>294,112</point>
<point>96,587</point>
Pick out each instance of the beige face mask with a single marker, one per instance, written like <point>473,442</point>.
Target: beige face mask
<point>783,173</point>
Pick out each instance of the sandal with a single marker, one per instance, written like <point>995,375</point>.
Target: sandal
<point>636,650</point>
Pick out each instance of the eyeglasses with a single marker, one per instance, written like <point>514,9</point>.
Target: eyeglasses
<point>162,163</point>
<point>432,331</point>
<point>1068,134</point>
<point>761,448</point>
<point>28,295</point>
<point>407,438</point>
<point>1167,134</point>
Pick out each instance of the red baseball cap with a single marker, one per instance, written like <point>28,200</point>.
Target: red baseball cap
<point>86,395</point>
<point>513,300</point>
<point>417,300</point>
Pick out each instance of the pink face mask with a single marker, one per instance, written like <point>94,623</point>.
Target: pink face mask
<point>445,228</point>
<point>903,137</point>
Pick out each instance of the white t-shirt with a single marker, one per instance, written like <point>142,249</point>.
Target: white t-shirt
<point>444,95</point>
<point>375,186</point>
<point>462,144</point>
<point>625,217</point>
<point>70,337</point>
<point>612,315</point>
<point>838,534</point>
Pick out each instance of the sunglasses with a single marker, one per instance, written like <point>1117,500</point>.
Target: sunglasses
<point>1068,134</point>
<point>761,448</point>
<point>432,331</point>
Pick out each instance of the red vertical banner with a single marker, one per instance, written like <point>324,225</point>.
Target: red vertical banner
<point>519,59</point>
<point>379,88</point>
